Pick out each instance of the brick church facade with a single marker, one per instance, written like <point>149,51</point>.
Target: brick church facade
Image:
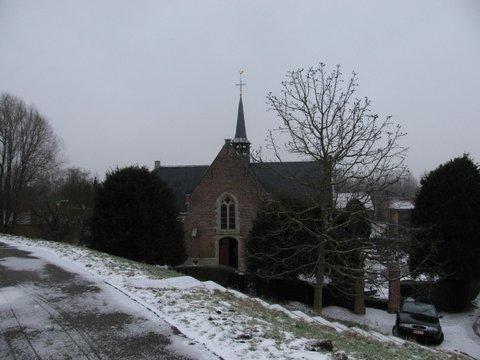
<point>219,202</point>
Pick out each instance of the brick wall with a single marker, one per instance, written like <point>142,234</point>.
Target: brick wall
<point>228,174</point>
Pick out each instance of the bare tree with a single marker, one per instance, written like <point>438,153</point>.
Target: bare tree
<point>354,148</point>
<point>28,149</point>
<point>62,205</point>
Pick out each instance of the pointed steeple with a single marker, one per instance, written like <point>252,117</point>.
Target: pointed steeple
<point>241,132</point>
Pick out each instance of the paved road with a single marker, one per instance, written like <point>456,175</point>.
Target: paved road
<point>47,312</point>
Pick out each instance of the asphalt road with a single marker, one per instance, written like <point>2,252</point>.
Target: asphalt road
<point>47,312</point>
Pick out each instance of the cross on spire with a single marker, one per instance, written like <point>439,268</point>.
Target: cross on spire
<point>241,83</point>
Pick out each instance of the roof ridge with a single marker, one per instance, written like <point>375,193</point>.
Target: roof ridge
<point>181,166</point>
<point>285,162</point>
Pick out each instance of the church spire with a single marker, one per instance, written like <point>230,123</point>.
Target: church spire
<point>240,142</point>
<point>240,132</point>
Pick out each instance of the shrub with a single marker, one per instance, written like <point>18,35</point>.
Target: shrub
<point>279,244</point>
<point>135,217</point>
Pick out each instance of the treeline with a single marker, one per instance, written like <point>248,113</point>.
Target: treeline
<point>131,214</point>
<point>38,194</point>
<point>29,153</point>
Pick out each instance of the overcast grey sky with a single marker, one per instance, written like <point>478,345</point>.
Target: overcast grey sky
<point>127,82</point>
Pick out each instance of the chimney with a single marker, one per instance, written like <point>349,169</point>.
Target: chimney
<point>157,165</point>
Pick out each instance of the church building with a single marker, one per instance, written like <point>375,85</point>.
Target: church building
<point>218,202</point>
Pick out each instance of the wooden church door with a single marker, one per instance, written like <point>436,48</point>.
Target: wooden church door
<point>228,252</point>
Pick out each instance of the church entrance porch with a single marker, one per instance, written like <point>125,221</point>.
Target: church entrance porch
<point>228,252</point>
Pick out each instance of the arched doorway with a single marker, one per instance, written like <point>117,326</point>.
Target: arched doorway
<point>228,252</point>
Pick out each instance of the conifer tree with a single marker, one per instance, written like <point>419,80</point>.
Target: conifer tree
<point>447,215</point>
<point>135,216</point>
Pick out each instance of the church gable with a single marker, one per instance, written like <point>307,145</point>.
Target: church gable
<point>228,169</point>
<point>228,177</point>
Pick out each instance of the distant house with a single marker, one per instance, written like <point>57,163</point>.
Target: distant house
<point>397,215</point>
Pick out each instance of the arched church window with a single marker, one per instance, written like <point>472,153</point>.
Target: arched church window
<point>227,213</point>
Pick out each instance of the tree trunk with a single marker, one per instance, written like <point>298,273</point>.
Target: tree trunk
<point>326,202</point>
<point>319,273</point>
<point>359,301</point>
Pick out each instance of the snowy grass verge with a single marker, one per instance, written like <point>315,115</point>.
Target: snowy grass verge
<point>231,325</point>
<point>95,262</point>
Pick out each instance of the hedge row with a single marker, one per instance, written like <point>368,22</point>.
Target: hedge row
<point>275,289</point>
<point>445,295</point>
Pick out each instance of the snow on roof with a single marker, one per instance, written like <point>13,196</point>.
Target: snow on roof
<point>342,200</point>
<point>402,205</point>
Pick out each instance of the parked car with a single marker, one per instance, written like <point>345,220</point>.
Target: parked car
<point>420,321</point>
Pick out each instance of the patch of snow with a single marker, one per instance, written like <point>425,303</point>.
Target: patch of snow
<point>180,282</point>
<point>339,327</point>
<point>262,302</point>
<point>373,318</point>
<point>10,294</point>
<point>283,310</point>
<point>378,336</point>
<point>342,200</point>
<point>238,294</point>
<point>303,316</point>
<point>397,340</point>
<point>296,305</point>
<point>211,285</point>
<point>401,205</point>
<point>360,332</point>
<point>476,301</point>
<point>26,264</point>
<point>322,321</point>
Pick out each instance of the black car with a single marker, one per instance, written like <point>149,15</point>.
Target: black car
<point>420,321</point>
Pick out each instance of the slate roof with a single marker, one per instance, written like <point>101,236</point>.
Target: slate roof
<point>181,179</point>
<point>287,178</point>
<point>292,179</point>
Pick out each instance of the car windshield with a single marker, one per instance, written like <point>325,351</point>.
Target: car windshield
<point>419,308</point>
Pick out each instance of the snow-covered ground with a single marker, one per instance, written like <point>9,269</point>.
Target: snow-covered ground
<point>458,328</point>
<point>227,323</point>
<point>224,323</point>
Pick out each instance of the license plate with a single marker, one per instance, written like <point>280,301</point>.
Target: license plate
<point>418,332</point>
